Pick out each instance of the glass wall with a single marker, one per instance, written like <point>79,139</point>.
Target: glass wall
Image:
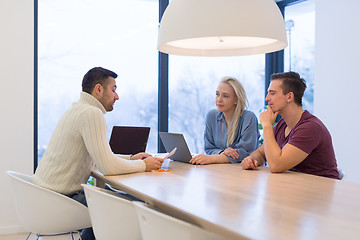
<point>300,54</point>
<point>193,82</point>
<point>119,35</point>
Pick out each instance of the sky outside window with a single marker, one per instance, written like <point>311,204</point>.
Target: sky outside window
<point>75,36</point>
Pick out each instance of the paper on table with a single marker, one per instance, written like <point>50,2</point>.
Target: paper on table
<point>170,154</point>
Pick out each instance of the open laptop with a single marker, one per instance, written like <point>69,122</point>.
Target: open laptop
<point>129,140</point>
<point>176,140</point>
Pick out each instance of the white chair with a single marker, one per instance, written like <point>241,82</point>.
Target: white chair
<point>155,225</point>
<point>113,216</point>
<point>44,212</point>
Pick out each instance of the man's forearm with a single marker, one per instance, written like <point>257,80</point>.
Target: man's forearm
<point>272,150</point>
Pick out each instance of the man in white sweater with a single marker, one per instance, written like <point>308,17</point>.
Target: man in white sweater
<point>79,142</point>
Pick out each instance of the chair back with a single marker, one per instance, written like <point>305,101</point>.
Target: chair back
<point>155,225</point>
<point>42,211</point>
<point>112,216</point>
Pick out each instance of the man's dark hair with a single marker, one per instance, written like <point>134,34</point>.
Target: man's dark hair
<point>291,82</point>
<point>94,76</point>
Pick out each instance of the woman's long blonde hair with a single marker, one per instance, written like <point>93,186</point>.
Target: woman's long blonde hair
<point>241,104</point>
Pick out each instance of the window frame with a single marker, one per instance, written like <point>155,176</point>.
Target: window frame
<point>35,152</point>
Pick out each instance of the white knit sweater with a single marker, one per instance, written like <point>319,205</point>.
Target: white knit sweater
<point>78,142</point>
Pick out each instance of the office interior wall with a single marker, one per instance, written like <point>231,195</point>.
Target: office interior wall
<point>337,79</point>
<point>336,89</point>
<point>16,100</point>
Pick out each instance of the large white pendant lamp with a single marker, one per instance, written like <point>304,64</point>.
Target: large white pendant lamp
<point>221,28</point>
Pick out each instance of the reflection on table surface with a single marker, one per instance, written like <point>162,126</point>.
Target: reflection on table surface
<point>255,204</point>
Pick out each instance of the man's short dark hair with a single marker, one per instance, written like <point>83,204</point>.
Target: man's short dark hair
<point>94,76</point>
<point>291,82</point>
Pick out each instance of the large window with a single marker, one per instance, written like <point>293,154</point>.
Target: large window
<point>193,82</point>
<point>299,55</point>
<point>121,35</point>
<point>75,36</point>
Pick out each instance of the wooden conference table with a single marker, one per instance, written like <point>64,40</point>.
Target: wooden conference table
<point>249,204</point>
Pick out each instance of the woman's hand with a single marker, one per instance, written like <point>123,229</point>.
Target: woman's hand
<point>230,152</point>
<point>202,159</point>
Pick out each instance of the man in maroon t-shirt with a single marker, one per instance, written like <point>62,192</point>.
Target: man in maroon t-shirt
<point>299,141</point>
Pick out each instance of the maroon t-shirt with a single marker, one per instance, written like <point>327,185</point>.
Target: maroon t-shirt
<point>311,136</point>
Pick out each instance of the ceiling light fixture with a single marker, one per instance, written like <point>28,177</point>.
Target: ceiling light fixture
<point>221,28</point>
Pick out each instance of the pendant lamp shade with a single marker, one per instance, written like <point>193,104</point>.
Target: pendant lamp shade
<point>221,28</point>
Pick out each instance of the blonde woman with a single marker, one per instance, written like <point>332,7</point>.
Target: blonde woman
<point>231,132</point>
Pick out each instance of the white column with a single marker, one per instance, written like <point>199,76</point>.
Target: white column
<point>337,78</point>
<point>16,100</point>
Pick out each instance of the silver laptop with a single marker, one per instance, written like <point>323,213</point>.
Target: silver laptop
<point>176,140</point>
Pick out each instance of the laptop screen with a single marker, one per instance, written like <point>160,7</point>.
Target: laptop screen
<point>129,140</point>
<point>176,140</point>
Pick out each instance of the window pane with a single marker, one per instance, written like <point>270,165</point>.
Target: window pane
<point>193,82</point>
<point>119,35</point>
<point>300,54</point>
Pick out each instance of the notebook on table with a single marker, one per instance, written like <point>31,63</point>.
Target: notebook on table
<point>176,140</point>
<point>129,140</point>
